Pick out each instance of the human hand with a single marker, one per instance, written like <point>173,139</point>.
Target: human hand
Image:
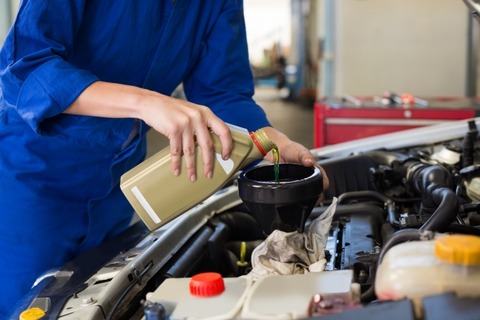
<point>293,152</point>
<point>186,125</point>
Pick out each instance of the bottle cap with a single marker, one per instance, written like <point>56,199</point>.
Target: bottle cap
<point>262,142</point>
<point>32,314</point>
<point>458,249</point>
<point>207,284</point>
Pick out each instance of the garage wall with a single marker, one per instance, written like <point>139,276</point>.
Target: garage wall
<point>8,9</point>
<point>267,22</point>
<point>403,46</point>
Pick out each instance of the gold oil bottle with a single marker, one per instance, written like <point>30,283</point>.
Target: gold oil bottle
<point>158,196</point>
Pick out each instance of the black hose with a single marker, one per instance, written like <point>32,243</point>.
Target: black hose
<point>386,202</point>
<point>243,226</point>
<point>469,144</point>
<point>447,209</point>
<point>422,176</point>
<point>362,195</point>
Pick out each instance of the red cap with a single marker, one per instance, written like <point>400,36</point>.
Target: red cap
<point>257,143</point>
<point>206,284</point>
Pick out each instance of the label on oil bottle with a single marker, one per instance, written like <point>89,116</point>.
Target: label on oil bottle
<point>227,165</point>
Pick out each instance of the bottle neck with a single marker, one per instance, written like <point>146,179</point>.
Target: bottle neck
<point>262,142</point>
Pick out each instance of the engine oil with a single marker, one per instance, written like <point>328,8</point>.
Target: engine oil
<point>417,269</point>
<point>158,196</point>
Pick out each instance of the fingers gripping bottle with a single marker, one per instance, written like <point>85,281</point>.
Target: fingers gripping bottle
<point>158,196</point>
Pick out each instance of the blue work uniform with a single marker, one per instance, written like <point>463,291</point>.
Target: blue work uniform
<point>59,173</point>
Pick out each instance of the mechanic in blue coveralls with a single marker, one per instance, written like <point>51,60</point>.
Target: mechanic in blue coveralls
<point>81,83</point>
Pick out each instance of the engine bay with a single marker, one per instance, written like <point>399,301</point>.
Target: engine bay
<point>385,197</point>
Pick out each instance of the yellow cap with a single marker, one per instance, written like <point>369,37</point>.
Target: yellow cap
<point>459,249</point>
<point>32,314</point>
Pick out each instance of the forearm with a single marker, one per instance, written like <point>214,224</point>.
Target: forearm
<point>182,122</point>
<point>103,99</point>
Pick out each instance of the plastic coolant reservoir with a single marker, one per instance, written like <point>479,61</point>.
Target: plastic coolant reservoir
<point>205,298</point>
<point>289,296</point>
<point>417,269</point>
<point>272,297</point>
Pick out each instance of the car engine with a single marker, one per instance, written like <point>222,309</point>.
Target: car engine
<point>391,191</point>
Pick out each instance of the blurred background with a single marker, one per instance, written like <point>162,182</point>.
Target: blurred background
<point>306,52</point>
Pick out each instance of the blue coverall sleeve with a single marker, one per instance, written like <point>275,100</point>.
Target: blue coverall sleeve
<point>36,76</point>
<point>222,78</point>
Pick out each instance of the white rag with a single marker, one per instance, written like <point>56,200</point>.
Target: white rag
<point>285,253</point>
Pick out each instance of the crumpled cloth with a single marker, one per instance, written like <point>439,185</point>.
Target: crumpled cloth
<point>285,253</point>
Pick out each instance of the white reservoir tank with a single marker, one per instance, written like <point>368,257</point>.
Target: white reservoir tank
<point>417,269</point>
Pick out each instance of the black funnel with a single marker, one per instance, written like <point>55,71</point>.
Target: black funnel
<point>283,205</point>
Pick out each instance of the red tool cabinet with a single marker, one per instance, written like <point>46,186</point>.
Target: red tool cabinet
<point>343,120</point>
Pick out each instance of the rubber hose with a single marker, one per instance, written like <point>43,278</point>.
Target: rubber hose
<point>447,209</point>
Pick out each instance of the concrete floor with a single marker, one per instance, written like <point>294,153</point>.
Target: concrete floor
<point>293,119</point>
